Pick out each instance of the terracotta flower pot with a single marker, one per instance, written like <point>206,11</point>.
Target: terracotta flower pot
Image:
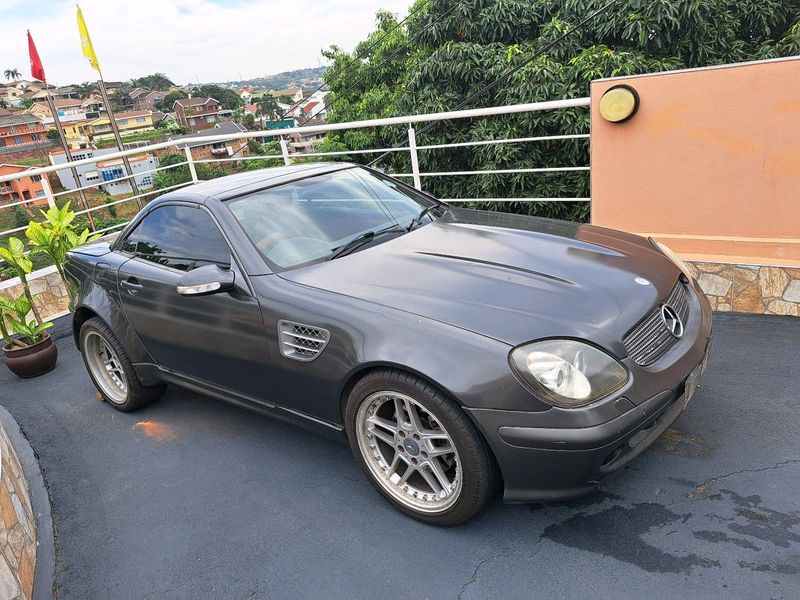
<point>34,360</point>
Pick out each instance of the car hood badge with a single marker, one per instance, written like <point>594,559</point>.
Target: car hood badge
<point>672,321</point>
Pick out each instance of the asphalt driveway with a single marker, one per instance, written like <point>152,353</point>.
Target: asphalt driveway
<point>192,498</point>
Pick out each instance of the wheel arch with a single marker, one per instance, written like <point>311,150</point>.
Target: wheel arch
<point>358,373</point>
<point>79,317</point>
<point>361,371</point>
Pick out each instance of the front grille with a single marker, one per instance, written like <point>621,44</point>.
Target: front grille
<point>650,339</point>
<point>301,342</point>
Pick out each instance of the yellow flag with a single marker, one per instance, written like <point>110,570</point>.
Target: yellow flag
<point>86,42</point>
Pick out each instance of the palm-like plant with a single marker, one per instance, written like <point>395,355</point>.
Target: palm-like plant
<point>12,74</point>
<point>56,235</point>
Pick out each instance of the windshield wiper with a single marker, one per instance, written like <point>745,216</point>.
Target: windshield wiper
<point>359,240</point>
<point>418,219</point>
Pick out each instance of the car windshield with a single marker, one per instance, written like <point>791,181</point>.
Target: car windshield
<point>305,220</point>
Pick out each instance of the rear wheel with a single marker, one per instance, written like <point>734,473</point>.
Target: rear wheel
<point>111,370</point>
<point>418,448</point>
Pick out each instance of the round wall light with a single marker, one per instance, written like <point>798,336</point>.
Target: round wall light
<point>619,103</point>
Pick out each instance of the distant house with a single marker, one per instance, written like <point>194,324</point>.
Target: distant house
<point>93,106</point>
<point>146,100</point>
<point>197,114</point>
<point>245,93</point>
<point>304,143</point>
<point>67,92</point>
<point>113,86</point>
<point>128,123</point>
<point>78,134</point>
<point>12,95</point>
<point>24,188</point>
<point>295,93</point>
<point>103,173</point>
<point>21,130</point>
<point>223,149</point>
<point>68,109</point>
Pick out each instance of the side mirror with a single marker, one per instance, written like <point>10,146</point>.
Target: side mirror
<point>206,280</point>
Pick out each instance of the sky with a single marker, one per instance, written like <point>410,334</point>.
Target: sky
<point>189,40</point>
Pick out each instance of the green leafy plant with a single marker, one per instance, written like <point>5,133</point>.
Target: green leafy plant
<point>14,254</point>
<point>56,235</point>
<point>15,314</point>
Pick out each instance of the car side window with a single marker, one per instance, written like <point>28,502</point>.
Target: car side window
<point>129,243</point>
<point>180,237</point>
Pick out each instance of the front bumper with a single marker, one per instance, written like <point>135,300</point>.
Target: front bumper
<point>562,453</point>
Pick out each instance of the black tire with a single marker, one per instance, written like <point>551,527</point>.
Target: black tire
<point>136,395</point>
<point>479,470</point>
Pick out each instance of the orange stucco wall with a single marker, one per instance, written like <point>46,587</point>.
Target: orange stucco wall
<point>710,163</point>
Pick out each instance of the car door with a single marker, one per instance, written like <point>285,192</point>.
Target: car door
<point>217,338</point>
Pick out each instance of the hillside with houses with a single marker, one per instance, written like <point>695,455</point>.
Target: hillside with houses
<point>145,110</point>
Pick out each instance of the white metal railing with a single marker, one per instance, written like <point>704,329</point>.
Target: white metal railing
<point>285,156</point>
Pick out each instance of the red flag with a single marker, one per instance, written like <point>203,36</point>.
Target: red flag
<point>37,70</point>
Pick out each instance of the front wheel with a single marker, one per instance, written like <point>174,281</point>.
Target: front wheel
<point>418,448</point>
<point>111,370</point>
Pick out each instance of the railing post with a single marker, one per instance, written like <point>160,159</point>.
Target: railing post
<point>192,170</point>
<point>48,191</point>
<point>412,148</point>
<point>287,160</point>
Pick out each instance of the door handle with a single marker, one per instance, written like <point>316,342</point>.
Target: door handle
<point>132,285</point>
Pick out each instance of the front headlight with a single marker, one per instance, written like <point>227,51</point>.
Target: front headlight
<point>568,373</point>
<point>666,251</point>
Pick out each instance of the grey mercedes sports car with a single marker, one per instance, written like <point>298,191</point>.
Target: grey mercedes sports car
<point>455,350</point>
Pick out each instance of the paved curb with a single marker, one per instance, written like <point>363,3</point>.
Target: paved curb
<point>44,574</point>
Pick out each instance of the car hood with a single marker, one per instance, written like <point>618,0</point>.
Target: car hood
<point>510,277</point>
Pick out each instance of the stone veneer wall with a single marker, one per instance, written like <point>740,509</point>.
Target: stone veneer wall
<point>17,527</point>
<point>51,299</point>
<point>736,288</point>
<point>750,288</point>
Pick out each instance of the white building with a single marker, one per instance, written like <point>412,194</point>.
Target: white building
<point>102,173</point>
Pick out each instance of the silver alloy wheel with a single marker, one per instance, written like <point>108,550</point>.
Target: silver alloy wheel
<point>106,367</point>
<point>409,452</point>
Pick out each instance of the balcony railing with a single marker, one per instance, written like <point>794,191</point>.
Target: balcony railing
<point>286,156</point>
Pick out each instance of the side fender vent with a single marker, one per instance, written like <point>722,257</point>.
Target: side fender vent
<point>301,342</point>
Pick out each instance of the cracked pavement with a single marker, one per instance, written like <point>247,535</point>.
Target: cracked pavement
<point>192,498</point>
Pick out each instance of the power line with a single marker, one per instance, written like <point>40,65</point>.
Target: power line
<point>509,72</point>
<point>373,45</point>
<point>370,48</point>
<point>388,58</point>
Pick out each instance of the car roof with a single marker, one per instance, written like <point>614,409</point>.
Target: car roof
<point>231,186</point>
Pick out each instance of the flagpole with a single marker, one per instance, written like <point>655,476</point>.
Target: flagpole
<point>115,129</point>
<point>65,145</point>
<point>88,52</point>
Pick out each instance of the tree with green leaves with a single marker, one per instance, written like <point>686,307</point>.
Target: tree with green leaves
<point>154,82</point>
<point>12,74</point>
<point>451,49</point>
<point>227,97</point>
<point>166,103</point>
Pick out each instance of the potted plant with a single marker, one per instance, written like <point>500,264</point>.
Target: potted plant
<point>14,254</point>
<point>29,351</point>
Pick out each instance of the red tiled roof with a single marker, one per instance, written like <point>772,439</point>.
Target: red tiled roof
<point>195,101</point>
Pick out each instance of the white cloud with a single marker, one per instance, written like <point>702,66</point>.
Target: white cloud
<point>184,38</point>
